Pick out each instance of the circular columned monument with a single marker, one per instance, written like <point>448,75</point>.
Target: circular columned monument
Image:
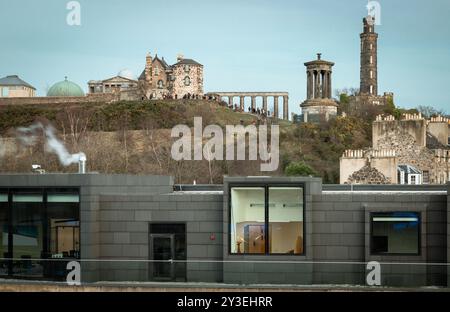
<point>319,102</point>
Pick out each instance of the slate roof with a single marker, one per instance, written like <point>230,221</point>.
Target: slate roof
<point>408,169</point>
<point>187,62</point>
<point>14,80</point>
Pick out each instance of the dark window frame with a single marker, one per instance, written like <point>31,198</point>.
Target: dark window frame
<point>396,254</point>
<point>266,187</point>
<point>44,191</point>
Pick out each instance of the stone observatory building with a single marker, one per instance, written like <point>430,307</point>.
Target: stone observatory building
<point>412,150</point>
<point>319,103</point>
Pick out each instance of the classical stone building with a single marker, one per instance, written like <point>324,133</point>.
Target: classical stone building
<point>368,90</point>
<point>254,107</point>
<point>14,87</point>
<point>412,150</point>
<point>182,79</point>
<point>124,80</point>
<point>319,103</point>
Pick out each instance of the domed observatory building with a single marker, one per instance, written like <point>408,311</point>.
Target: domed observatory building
<point>125,80</point>
<point>65,88</point>
<point>319,104</point>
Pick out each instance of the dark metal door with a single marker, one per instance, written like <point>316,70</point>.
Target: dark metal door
<point>162,254</point>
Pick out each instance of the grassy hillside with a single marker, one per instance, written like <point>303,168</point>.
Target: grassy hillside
<point>134,137</point>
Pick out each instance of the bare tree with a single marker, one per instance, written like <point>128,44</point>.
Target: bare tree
<point>429,111</point>
<point>74,122</point>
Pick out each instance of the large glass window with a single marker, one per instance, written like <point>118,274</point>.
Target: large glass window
<point>286,220</point>
<point>63,229</point>
<point>395,233</point>
<point>28,232</point>
<point>248,220</point>
<point>36,226</point>
<point>256,209</point>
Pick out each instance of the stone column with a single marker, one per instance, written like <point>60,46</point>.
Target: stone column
<point>275,106</point>
<point>324,84</point>
<point>253,103</point>
<point>285,107</point>
<point>317,85</point>
<point>264,98</point>
<point>230,100</point>
<point>241,103</point>
<point>309,85</point>
<point>313,80</point>
<point>330,90</point>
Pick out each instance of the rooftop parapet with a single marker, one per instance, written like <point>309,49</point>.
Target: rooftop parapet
<point>385,118</point>
<point>369,153</point>
<point>440,119</point>
<point>412,116</point>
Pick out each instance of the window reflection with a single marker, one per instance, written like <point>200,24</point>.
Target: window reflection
<point>27,233</point>
<point>38,226</point>
<point>395,233</point>
<point>4,233</point>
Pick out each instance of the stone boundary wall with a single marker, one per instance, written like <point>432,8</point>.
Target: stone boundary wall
<point>46,100</point>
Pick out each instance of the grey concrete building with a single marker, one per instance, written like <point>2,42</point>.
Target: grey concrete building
<point>250,230</point>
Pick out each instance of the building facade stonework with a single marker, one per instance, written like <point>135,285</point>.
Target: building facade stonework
<point>183,79</point>
<point>158,80</point>
<point>187,78</point>
<point>369,56</point>
<point>412,141</point>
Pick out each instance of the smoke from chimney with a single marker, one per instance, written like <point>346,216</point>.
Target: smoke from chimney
<point>27,136</point>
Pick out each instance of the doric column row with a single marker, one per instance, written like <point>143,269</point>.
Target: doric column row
<point>318,84</point>
<point>264,104</point>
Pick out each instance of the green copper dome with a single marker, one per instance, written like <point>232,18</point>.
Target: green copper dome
<point>65,88</point>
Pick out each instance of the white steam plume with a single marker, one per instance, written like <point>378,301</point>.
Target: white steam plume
<point>27,136</point>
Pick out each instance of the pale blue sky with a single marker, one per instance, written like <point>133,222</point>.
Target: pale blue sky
<point>246,45</point>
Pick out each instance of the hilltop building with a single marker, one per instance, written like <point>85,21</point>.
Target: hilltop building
<point>158,80</point>
<point>368,90</point>
<point>12,86</point>
<point>124,80</point>
<point>319,103</point>
<point>65,88</point>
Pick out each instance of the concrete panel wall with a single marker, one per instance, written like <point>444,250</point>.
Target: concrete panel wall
<point>116,210</point>
<point>341,232</point>
<point>124,233</point>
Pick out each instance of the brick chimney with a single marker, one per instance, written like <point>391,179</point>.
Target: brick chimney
<point>148,68</point>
